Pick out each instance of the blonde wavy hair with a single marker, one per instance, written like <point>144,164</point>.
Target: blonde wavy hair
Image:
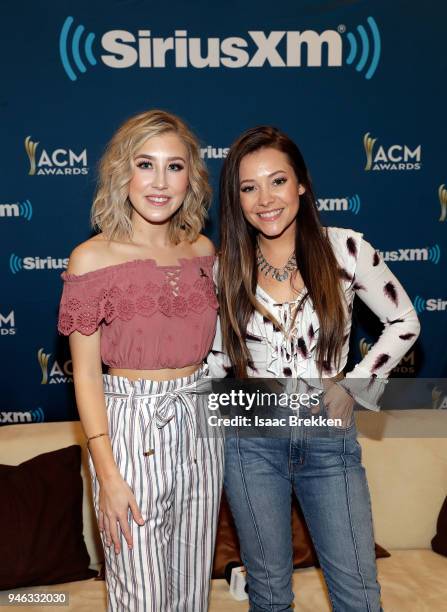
<point>112,210</point>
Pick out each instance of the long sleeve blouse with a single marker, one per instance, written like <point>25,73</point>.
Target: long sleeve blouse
<point>290,352</point>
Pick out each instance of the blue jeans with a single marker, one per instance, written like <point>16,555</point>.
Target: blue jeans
<point>325,473</point>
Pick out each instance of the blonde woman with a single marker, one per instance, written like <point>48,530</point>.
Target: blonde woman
<point>139,298</point>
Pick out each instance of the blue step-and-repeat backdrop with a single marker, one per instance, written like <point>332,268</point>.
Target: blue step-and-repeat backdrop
<point>361,87</point>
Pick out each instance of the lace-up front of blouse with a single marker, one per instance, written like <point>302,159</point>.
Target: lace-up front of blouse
<point>151,317</point>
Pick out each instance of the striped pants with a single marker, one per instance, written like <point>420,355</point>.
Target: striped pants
<point>176,476</point>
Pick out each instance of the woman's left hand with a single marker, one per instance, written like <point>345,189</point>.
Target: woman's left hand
<point>339,404</point>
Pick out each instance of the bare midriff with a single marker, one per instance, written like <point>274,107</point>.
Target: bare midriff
<point>166,374</point>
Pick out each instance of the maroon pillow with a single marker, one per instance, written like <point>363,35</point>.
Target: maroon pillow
<point>227,543</point>
<point>41,517</point>
<point>439,542</point>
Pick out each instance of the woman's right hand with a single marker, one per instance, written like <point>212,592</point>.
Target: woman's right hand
<point>115,499</point>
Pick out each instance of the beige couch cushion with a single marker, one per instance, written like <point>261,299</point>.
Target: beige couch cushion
<point>412,581</point>
<point>405,456</point>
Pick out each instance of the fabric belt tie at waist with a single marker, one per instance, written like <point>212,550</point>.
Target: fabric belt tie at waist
<point>165,411</point>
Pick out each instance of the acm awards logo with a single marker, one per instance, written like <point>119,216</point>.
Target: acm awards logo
<point>22,416</point>
<point>438,399</point>
<point>392,157</point>
<point>53,373</point>
<point>406,366</point>
<point>17,209</point>
<point>56,162</point>
<point>442,195</point>
<point>359,49</point>
<point>7,324</point>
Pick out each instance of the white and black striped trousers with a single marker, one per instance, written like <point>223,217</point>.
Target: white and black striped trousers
<point>176,476</point>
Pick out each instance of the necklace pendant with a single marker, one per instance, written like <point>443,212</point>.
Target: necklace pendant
<point>280,277</point>
<point>279,274</point>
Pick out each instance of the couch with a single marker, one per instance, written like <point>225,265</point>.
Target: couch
<point>405,455</point>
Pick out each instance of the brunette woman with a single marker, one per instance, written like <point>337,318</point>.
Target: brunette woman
<point>286,287</point>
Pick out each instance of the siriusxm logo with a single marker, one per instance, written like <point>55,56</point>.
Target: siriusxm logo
<point>57,162</point>
<point>17,209</point>
<point>21,416</point>
<point>7,324</point>
<point>394,157</point>
<point>430,254</point>
<point>420,304</point>
<point>360,49</point>
<point>17,264</point>
<point>211,152</point>
<point>54,374</point>
<point>350,204</point>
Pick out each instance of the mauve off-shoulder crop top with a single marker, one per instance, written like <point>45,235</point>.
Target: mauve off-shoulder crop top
<point>151,317</point>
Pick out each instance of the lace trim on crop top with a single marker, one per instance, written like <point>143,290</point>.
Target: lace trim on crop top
<point>98,296</point>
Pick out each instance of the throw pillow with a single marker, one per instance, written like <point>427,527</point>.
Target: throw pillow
<point>41,514</point>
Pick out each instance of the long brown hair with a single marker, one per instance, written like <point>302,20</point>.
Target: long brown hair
<point>237,277</point>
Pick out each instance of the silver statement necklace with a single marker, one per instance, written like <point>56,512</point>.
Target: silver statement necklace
<point>279,274</point>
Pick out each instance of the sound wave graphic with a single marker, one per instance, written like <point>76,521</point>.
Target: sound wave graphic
<point>38,415</point>
<point>367,49</point>
<point>43,359</point>
<point>354,204</point>
<point>419,304</point>
<point>65,46</point>
<point>434,254</point>
<point>15,263</point>
<point>442,193</point>
<point>26,210</point>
